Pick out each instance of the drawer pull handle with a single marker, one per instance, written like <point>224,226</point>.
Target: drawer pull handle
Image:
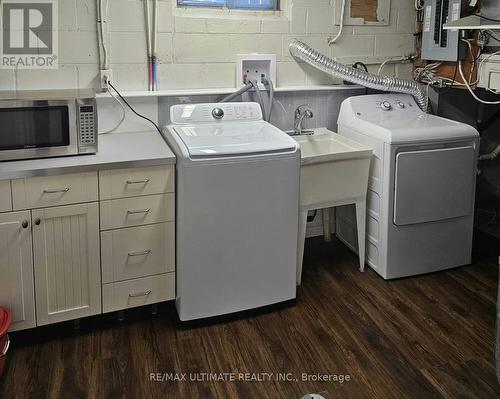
<point>144,181</point>
<point>53,191</point>
<point>138,211</point>
<point>139,253</point>
<point>145,293</point>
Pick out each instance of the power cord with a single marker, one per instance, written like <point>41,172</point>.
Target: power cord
<point>122,118</point>
<point>132,109</point>
<point>489,19</point>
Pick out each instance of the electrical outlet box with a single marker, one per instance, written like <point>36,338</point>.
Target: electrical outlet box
<point>106,76</point>
<point>255,67</point>
<point>489,72</point>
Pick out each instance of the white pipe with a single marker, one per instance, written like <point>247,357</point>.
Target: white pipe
<point>342,12</point>
<point>148,27</point>
<point>155,21</point>
<point>492,155</point>
<point>153,46</point>
<point>100,34</point>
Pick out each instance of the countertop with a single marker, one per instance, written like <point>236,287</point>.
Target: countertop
<point>116,150</point>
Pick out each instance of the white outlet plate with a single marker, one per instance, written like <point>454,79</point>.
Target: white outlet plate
<point>106,73</point>
<point>253,66</point>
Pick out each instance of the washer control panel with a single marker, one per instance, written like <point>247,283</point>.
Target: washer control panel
<point>215,112</point>
<point>394,104</point>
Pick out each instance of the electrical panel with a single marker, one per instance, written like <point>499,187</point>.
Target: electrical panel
<point>439,44</point>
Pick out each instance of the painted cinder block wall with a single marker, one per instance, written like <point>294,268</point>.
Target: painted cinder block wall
<point>197,48</point>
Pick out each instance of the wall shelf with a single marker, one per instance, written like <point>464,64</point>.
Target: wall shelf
<point>225,90</point>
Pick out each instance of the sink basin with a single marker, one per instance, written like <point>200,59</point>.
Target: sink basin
<point>333,172</point>
<point>323,145</point>
<point>332,167</point>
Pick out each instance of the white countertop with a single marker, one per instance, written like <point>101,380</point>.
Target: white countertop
<point>116,150</point>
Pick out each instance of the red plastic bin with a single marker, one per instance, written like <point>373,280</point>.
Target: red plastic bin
<point>5,322</point>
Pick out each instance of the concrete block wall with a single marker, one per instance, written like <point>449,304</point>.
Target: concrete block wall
<point>197,47</point>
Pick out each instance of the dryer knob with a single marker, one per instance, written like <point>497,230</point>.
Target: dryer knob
<point>386,106</point>
<point>218,113</point>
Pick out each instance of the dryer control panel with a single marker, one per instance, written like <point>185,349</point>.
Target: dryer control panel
<point>213,112</point>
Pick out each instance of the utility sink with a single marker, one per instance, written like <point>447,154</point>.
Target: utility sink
<point>334,171</point>
<point>332,167</point>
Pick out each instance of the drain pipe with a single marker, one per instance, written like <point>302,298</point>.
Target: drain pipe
<point>357,76</point>
<point>492,155</point>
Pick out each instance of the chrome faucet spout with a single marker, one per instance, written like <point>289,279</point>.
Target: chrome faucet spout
<point>302,112</point>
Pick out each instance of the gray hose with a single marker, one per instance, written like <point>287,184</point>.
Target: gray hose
<point>230,97</point>
<point>260,100</point>
<point>357,76</point>
<point>269,109</point>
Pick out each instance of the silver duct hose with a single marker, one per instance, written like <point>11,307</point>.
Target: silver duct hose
<point>357,76</point>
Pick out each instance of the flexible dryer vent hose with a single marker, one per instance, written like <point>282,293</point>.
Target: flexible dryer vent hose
<point>357,76</point>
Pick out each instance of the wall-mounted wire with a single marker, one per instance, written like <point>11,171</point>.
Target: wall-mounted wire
<point>132,109</point>
<point>332,40</point>
<point>102,13</point>
<point>122,118</point>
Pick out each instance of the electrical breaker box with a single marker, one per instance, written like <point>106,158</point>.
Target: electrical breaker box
<point>439,44</point>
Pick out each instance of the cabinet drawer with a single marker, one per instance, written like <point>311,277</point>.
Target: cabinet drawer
<point>45,191</point>
<point>123,183</point>
<point>138,292</point>
<point>137,211</point>
<point>137,252</point>
<point>5,196</point>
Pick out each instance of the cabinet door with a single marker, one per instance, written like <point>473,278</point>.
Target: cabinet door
<point>16,268</point>
<point>66,262</point>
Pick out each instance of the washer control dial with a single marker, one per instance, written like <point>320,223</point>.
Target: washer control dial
<point>218,113</point>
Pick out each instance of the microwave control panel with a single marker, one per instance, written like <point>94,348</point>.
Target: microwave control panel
<point>88,129</point>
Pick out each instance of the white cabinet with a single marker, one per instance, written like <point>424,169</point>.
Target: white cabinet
<point>5,196</point>
<point>50,243</point>
<point>123,183</point>
<point>66,262</point>
<point>138,292</point>
<point>44,191</point>
<point>16,268</point>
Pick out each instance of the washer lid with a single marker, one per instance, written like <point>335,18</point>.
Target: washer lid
<point>234,138</point>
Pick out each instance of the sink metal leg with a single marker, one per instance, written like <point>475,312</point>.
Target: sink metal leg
<point>327,231</point>
<point>361,225</point>
<point>300,244</point>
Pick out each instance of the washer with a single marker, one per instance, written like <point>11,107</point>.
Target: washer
<point>420,203</point>
<point>237,209</point>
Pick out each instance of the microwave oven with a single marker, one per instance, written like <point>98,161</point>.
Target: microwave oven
<point>51,123</point>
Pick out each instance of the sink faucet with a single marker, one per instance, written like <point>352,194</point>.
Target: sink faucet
<point>302,112</point>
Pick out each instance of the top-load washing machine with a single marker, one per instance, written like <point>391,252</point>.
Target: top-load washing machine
<point>420,202</point>
<point>237,209</point>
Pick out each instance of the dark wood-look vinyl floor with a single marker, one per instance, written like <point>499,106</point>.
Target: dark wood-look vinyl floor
<point>426,337</point>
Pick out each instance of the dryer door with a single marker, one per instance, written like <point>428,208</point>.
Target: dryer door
<point>433,185</point>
